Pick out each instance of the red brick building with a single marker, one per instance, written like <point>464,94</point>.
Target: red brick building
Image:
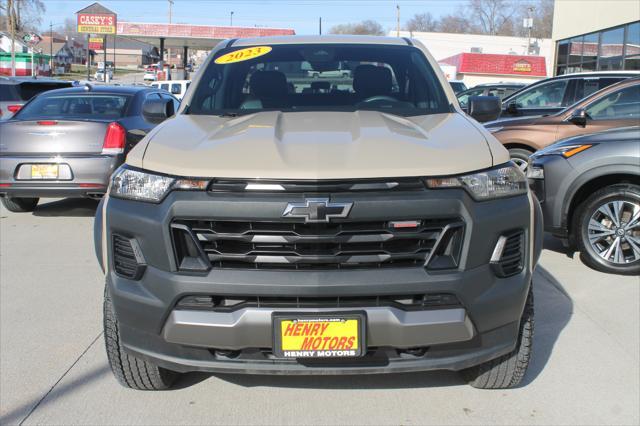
<point>478,68</point>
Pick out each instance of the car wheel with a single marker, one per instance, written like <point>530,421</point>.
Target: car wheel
<point>19,205</point>
<point>130,371</point>
<point>508,370</point>
<point>520,157</point>
<point>607,229</point>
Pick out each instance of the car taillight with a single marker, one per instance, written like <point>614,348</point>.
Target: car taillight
<point>114,139</point>
<point>14,108</point>
<point>47,123</point>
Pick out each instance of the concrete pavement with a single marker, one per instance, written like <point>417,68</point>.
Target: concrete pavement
<point>585,367</point>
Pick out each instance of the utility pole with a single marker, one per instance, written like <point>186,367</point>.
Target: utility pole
<point>320,25</point>
<point>231,19</point>
<point>50,48</point>
<point>12,25</point>
<point>169,49</point>
<point>398,20</point>
<point>529,26</point>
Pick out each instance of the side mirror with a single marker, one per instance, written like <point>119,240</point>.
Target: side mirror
<point>579,117</point>
<point>512,108</point>
<point>484,108</point>
<point>158,110</point>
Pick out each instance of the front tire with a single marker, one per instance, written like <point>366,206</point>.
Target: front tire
<point>520,157</point>
<point>130,371</point>
<point>606,228</point>
<point>19,205</point>
<point>508,370</point>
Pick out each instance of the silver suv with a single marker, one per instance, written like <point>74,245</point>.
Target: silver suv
<point>275,226</point>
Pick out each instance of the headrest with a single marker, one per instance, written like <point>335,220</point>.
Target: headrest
<point>80,109</point>
<point>268,84</point>
<point>370,80</point>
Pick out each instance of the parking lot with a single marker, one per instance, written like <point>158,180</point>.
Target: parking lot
<point>585,367</point>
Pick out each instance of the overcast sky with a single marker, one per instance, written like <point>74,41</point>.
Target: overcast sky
<point>301,15</point>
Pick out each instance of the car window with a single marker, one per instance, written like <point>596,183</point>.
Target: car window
<point>165,87</point>
<point>622,104</point>
<point>463,98</point>
<point>586,87</point>
<point>394,79</point>
<point>547,95</point>
<point>29,90</point>
<point>176,88</point>
<point>8,93</point>
<point>95,106</point>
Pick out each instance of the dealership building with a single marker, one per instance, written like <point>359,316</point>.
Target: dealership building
<point>598,35</point>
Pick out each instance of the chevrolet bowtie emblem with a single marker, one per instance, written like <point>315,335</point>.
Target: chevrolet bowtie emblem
<point>317,210</point>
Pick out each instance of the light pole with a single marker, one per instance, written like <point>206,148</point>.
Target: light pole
<point>231,19</point>
<point>398,20</point>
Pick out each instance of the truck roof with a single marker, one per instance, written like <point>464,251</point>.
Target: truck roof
<point>328,39</point>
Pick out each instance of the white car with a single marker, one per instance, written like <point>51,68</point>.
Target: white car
<point>99,75</point>
<point>150,75</point>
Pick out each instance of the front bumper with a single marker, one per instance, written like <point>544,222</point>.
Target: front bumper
<point>89,176</point>
<point>551,191</point>
<point>483,327</point>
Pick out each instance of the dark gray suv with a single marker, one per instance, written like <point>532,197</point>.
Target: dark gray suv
<point>589,189</point>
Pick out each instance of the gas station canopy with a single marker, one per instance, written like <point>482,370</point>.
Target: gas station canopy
<point>199,37</point>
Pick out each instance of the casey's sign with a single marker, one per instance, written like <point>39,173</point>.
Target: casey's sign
<point>96,24</point>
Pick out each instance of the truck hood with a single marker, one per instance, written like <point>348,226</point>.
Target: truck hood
<point>316,145</point>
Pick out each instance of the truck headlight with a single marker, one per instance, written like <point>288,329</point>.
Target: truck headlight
<point>139,185</point>
<point>504,181</point>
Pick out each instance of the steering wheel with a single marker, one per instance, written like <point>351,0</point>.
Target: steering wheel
<point>379,98</point>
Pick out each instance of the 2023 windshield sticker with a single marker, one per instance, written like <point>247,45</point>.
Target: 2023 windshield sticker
<point>243,55</point>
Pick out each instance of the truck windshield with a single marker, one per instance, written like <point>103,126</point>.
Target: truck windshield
<point>319,77</point>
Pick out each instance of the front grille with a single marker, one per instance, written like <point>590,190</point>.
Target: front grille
<point>300,246</point>
<point>512,260</point>
<point>404,302</point>
<point>320,186</point>
<point>126,262</point>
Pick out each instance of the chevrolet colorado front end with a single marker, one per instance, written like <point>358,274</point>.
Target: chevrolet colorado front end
<point>284,225</point>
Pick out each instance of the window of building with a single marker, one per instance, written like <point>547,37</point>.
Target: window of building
<point>616,48</point>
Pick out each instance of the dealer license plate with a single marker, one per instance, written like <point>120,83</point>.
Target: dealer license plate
<point>44,171</point>
<point>313,336</point>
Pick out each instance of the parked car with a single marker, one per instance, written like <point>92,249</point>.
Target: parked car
<point>501,90</point>
<point>100,75</point>
<point>15,92</point>
<point>552,95</point>
<point>457,86</point>
<point>151,73</point>
<point>265,230</point>
<point>176,87</point>
<point>67,142</point>
<point>615,106</point>
<point>342,71</point>
<point>589,188</point>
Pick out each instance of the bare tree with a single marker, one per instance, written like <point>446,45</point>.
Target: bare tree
<point>455,24</point>
<point>367,27</point>
<point>27,14</point>
<point>493,17</point>
<point>422,22</point>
